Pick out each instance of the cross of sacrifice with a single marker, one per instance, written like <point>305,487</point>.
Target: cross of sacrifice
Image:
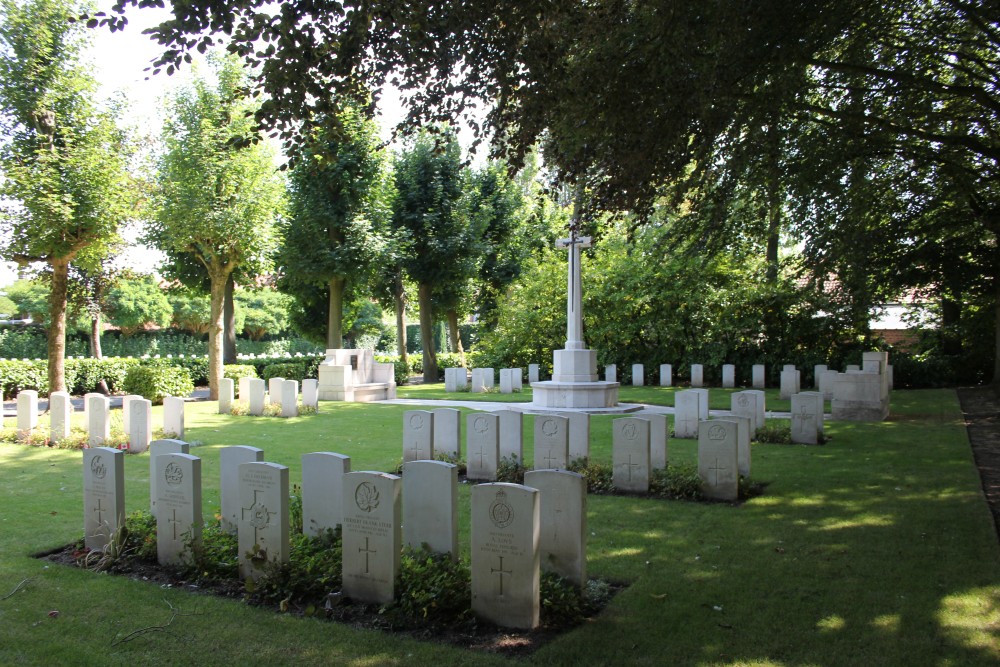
<point>574,291</point>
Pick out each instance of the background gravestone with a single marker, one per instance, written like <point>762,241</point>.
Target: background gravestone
<point>255,399</point>
<point>27,413</point>
<point>761,413</point>
<point>159,448</point>
<point>666,375</point>
<point>372,538</point>
<point>126,414</point>
<point>310,393</point>
<point>717,459</point>
<point>759,377</point>
<point>630,454</point>
<point>173,416</point>
<point>60,415</point>
<point>98,422</point>
<point>728,376</point>
<point>290,398</point>
<point>482,434</point>
<point>230,460</point>
<point>323,491</point>
<point>263,524</point>
<point>702,402</point>
<point>562,542</point>
<point>511,434</point>
<point>244,386</point>
<point>533,373</point>
<point>225,396</point>
<point>551,441</point>
<point>274,390</point>
<point>179,519</point>
<point>418,435</point>
<point>697,375</point>
<point>140,428</point>
<point>744,404</point>
<point>103,496</point>
<point>638,375</point>
<point>611,373</point>
<point>430,506</point>
<point>807,418</point>
<point>447,432</point>
<point>505,555</point>
<point>686,414</point>
<point>579,435</point>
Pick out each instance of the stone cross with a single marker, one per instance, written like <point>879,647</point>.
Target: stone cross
<point>574,291</point>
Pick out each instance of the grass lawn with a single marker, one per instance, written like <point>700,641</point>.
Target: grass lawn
<point>876,549</point>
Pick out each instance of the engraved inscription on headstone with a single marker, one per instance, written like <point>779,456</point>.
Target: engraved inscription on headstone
<point>372,538</point>
<point>483,445</point>
<point>551,441</point>
<point>103,495</point>
<point>418,435</point>
<point>717,459</point>
<point>159,448</point>
<point>263,524</point>
<point>630,454</point>
<point>178,519</point>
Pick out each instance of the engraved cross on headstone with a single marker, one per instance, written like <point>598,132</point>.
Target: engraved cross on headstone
<point>249,513</point>
<point>550,458</point>
<point>501,572</point>
<point>174,522</point>
<point>629,466</point>
<point>574,291</point>
<point>717,468</point>
<point>417,451</point>
<point>100,511</point>
<point>479,454</point>
<point>367,551</point>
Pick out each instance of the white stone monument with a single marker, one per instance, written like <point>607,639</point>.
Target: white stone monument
<point>230,460</point>
<point>658,437</point>
<point>98,422</point>
<point>60,415</point>
<point>563,522</point>
<point>630,454</point>
<point>686,415</point>
<point>323,491</point>
<point>160,448</point>
<point>225,396</point>
<point>430,506</point>
<point>759,376</point>
<point>140,425</point>
<point>372,536</point>
<point>103,496</point>
<point>256,391</point>
<point>697,376</point>
<point>179,519</point>
<point>718,464</point>
<point>274,390</point>
<point>483,445</point>
<point>666,375</point>
<point>447,432</point>
<point>728,376</point>
<point>533,373</point>
<point>173,416</point>
<point>638,375</point>
<point>27,413</point>
<point>551,441</point>
<point>310,393</point>
<point>263,525</point>
<point>418,435</point>
<point>290,398</point>
<point>511,434</point>
<point>611,373</point>
<point>354,375</point>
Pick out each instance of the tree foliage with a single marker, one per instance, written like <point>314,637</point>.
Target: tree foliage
<point>138,301</point>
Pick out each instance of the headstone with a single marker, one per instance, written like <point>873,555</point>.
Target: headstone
<point>658,436</point>
<point>761,414</point>
<point>562,542</point>
<point>511,434</point>
<point>728,376</point>
<point>686,413</point>
<point>372,538</point>
<point>60,415</point>
<point>718,466</point>
<point>255,401</point>
<point>103,496</point>
<point>790,382</point>
<point>230,460</point>
<point>826,381</point>
<point>225,396</point>
<point>310,393</point>
<point>860,396</point>
<point>518,379</point>
<point>743,437</point>
<point>533,373</point>
<point>818,371</point>
<point>702,402</point>
<point>430,506</point>
<point>666,375</point>
<point>483,445</point>
<point>551,441</point>
<point>274,390</point>
<point>179,519</point>
<point>98,424</point>
<point>611,373</point>
<point>788,367</point>
<point>447,432</point>
<point>245,389</point>
<point>744,404</point>
<point>173,416</point>
<point>454,379</point>
<point>507,380</point>
<point>86,406</point>
<point>418,435</point>
<point>638,375</point>
<point>290,398</point>
<point>140,429</point>
<point>161,448</point>
<point>759,376</point>
<point>126,414</point>
<point>579,435</point>
<point>630,454</point>
<point>482,379</point>
<point>505,554</point>
<point>323,491</point>
<point>697,375</point>
<point>263,524</point>
<point>807,418</point>
<point>27,413</point>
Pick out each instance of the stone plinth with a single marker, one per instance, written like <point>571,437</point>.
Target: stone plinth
<point>555,394</point>
<point>353,375</point>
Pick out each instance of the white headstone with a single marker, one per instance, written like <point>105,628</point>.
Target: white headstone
<point>807,417</point>
<point>372,537</point>
<point>728,376</point>
<point>140,429</point>
<point>638,375</point>
<point>418,435</point>
<point>430,506</point>
<point>759,376</point>
<point>255,392</point>
<point>702,402</point>
<point>666,375</point>
<point>483,445</point>
<point>790,382</point>
<point>630,454</point>
<point>818,371</point>
<point>697,375</point>
<point>60,415</point>
<point>310,393</point>
<point>179,519</point>
<point>225,396</point>
<point>658,436</point>
<point>447,432</point>
<point>826,381</point>
<point>743,438</point>
<point>323,491</point>
<point>511,435</point>
<point>98,423</point>
<point>86,406</point>
<point>505,554</point>
<point>160,448</point>
<point>562,542</point>
<point>551,441</point>
<point>290,398</point>
<point>230,460</point>
<point>245,389</point>
<point>718,464</point>
<point>27,413</point>
<point>686,413</point>
<point>263,525</point>
<point>126,415</point>
<point>173,416</point>
<point>482,379</point>
<point>451,382</point>
<point>579,435</point>
<point>103,495</point>
<point>611,373</point>
<point>533,373</point>
<point>507,380</point>
<point>744,404</point>
<point>761,407</point>
<point>274,390</point>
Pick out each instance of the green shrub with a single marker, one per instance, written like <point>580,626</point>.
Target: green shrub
<point>236,371</point>
<point>16,375</point>
<point>598,475</point>
<point>312,572</point>
<point>678,481</point>
<point>400,371</point>
<point>289,370</point>
<point>510,470</point>
<point>433,589</point>
<point>155,379</point>
<point>775,433</point>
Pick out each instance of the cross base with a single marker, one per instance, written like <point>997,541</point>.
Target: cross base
<point>574,366</point>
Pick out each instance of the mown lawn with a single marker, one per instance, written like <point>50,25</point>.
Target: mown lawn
<point>876,549</point>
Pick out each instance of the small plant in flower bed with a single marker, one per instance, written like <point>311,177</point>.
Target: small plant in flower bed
<point>678,481</point>
<point>236,371</point>
<point>598,475</point>
<point>432,589</point>
<point>451,458</point>
<point>311,574</point>
<point>77,439</point>
<point>775,434</point>
<point>510,470</point>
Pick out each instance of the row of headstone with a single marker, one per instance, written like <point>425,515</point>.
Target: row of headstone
<point>281,392</point>
<point>510,380</point>
<point>483,379</point>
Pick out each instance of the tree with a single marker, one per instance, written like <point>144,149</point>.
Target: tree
<point>137,301</point>
<point>340,199</point>
<point>215,201</point>
<point>265,312</point>
<point>431,224</point>
<point>66,185</point>
<point>192,311</point>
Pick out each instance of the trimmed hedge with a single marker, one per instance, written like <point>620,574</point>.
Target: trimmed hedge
<point>289,370</point>
<point>236,371</point>
<point>83,375</point>
<point>153,381</point>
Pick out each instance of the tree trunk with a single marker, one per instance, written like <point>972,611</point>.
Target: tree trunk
<point>229,308</point>
<point>996,343</point>
<point>216,332</point>
<point>95,349</point>
<point>57,327</point>
<point>400,298</point>
<point>456,336</point>
<point>427,332</point>
<point>335,314</point>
